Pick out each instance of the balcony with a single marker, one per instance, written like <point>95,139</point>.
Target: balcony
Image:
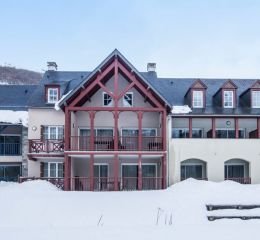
<point>10,149</point>
<point>103,143</point>
<point>242,180</point>
<point>46,146</point>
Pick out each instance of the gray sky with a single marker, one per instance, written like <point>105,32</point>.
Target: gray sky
<point>186,38</point>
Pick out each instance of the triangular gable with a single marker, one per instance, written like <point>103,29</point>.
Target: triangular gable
<point>256,85</point>
<point>106,67</point>
<point>198,85</point>
<point>229,85</point>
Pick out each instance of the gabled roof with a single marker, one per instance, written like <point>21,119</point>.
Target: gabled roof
<point>198,85</point>
<point>256,84</point>
<point>229,85</point>
<point>97,70</point>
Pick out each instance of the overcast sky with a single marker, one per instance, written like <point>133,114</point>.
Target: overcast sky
<point>186,38</point>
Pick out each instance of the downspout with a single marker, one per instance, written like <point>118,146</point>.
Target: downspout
<point>169,127</point>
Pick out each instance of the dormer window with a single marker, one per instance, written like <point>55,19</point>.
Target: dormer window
<point>107,100</point>
<point>197,99</point>
<point>228,99</point>
<point>255,99</point>
<point>128,99</point>
<point>53,95</point>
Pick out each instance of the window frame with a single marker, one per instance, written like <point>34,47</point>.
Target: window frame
<point>57,127</point>
<point>56,169</point>
<point>232,97</point>
<point>48,94</point>
<point>202,98</point>
<point>252,98</point>
<point>125,103</point>
<point>103,100</point>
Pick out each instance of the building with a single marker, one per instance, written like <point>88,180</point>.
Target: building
<point>116,128</point>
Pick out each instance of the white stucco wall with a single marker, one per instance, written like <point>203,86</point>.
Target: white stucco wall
<point>214,152</point>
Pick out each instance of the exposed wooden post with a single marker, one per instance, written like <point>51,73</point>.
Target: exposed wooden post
<point>236,128</point>
<point>91,172</point>
<point>190,127</point>
<point>213,127</point>
<point>67,166</point>
<point>66,172</point>
<point>164,171</point>
<point>116,112</point>
<point>140,180</point>
<point>92,131</point>
<point>140,135</point>
<point>116,168</point>
<point>164,133</point>
<point>258,127</point>
<point>116,137</point>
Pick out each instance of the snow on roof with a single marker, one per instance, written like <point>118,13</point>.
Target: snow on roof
<point>56,106</point>
<point>14,117</point>
<point>181,109</point>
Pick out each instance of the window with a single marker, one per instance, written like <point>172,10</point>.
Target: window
<point>197,101</point>
<point>256,99</point>
<point>228,99</point>
<point>107,99</point>
<point>53,169</point>
<point>53,132</point>
<point>10,145</point>
<point>234,171</point>
<point>147,132</point>
<point>229,133</point>
<point>191,171</point>
<point>184,133</point>
<point>128,99</point>
<point>10,172</point>
<point>53,95</point>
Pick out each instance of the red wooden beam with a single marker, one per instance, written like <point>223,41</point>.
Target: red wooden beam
<point>106,90</point>
<point>140,172</point>
<point>116,168</point>
<point>236,128</point>
<point>92,85</point>
<point>126,90</point>
<point>213,127</point>
<point>190,127</point>
<point>91,172</point>
<point>87,153</point>
<point>92,130</point>
<point>140,86</point>
<point>164,130</point>
<point>164,171</point>
<point>121,109</point>
<point>66,173</point>
<point>258,127</point>
<point>140,116</point>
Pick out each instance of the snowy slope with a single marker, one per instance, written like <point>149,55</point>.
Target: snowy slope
<point>37,210</point>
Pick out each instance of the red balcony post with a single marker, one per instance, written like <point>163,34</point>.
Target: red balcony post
<point>116,167</point>
<point>92,130</point>
<point>236,128</point>
<point>116,138</point>
<point>91,172</point>
<point>140,172</point>
<point>164,133</point>
<point>213,127</point>
<point>66,172</point>
<point>67,129</point>
<point>164,171</point>
<point>258,127</point>
<point>190,127</point>
<point>140,116</point>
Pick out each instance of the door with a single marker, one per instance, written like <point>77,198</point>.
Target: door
<point>84,139</point>
<point>101,177</point>
<point>129,177</point>
<point>149,181</point>
<point>10,173</point>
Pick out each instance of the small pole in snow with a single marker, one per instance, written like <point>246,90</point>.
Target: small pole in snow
<point>158,215</point>
<point>170,221</point>
<point>99,221</point>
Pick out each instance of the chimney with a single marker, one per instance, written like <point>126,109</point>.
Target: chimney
<point>52,66</point>
<point>151,67</point>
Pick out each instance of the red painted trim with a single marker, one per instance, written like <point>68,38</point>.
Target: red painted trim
<point>213,127</point>
<point>116,168</point>
<point>66,173</point>
<point>91,172</point>
<point>41,155</point>
<point>121,109</point>
<point>164,171</point>
<point>106,90</point>
<point>126,90</point>
<point>140,116</point>
<point>164,130</point>
<point>92,130</point>
<point>71,153</point>
<point>190,127</point>
<point>139,172</point>
<point>236,128</point>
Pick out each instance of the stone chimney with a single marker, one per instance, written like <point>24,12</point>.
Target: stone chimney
<point>151,67</point>
<point>52,66</point>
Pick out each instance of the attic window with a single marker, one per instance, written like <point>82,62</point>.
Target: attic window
<point>53,95</point>
<point>197,101</point>
<point>256,99</point>
<point>228,99</point>
<point>128,99</point>
<point>107,99</point>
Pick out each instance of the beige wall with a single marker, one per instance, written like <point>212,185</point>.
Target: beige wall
<point>214,152</point>
<point>9,159</point>
<point>38,117</point>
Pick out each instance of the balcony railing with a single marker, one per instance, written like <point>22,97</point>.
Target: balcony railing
<point>83,143</point>
<point>58,182</point>
<point>10,149</point>
<point>246,180</point>
<point>108,183</point>
<point>46,146</point>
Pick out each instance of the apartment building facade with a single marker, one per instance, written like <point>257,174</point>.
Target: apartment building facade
<point>116,128</point>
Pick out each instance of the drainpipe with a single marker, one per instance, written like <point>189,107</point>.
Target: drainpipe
<point>169,127</point>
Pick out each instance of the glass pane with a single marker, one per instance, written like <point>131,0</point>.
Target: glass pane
<point>12,173</point>
<point>130,171</point>
<point>196,133</point>
<point>103,171</point>
<point>53,170</point>
<point>241,133</point>
<point>129,132</point>
<point>60,169</point>
<point>221,134</point>
<point>60,132</point>
<point>45,170</point>
<point>193,171</point>
<point>149,132</point>
<point>148,170</point>
<point>2,172</point>
<point>53,133</point>
<point>231,134</point>
<point>105,132</point>
<point>235,171</point>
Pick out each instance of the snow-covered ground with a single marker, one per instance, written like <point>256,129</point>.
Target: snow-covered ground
<point>37,210</point>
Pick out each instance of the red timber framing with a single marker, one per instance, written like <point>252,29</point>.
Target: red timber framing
<point>114,67</point>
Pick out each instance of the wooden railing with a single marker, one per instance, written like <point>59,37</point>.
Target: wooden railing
<point>58,182</point>
<point>205,179</point>
<point>246,180</point>
<point>108,183</point>
<point>46,146</point>
<point>100,143</point>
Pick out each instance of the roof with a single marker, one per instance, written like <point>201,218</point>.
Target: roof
<point>15,97</point>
